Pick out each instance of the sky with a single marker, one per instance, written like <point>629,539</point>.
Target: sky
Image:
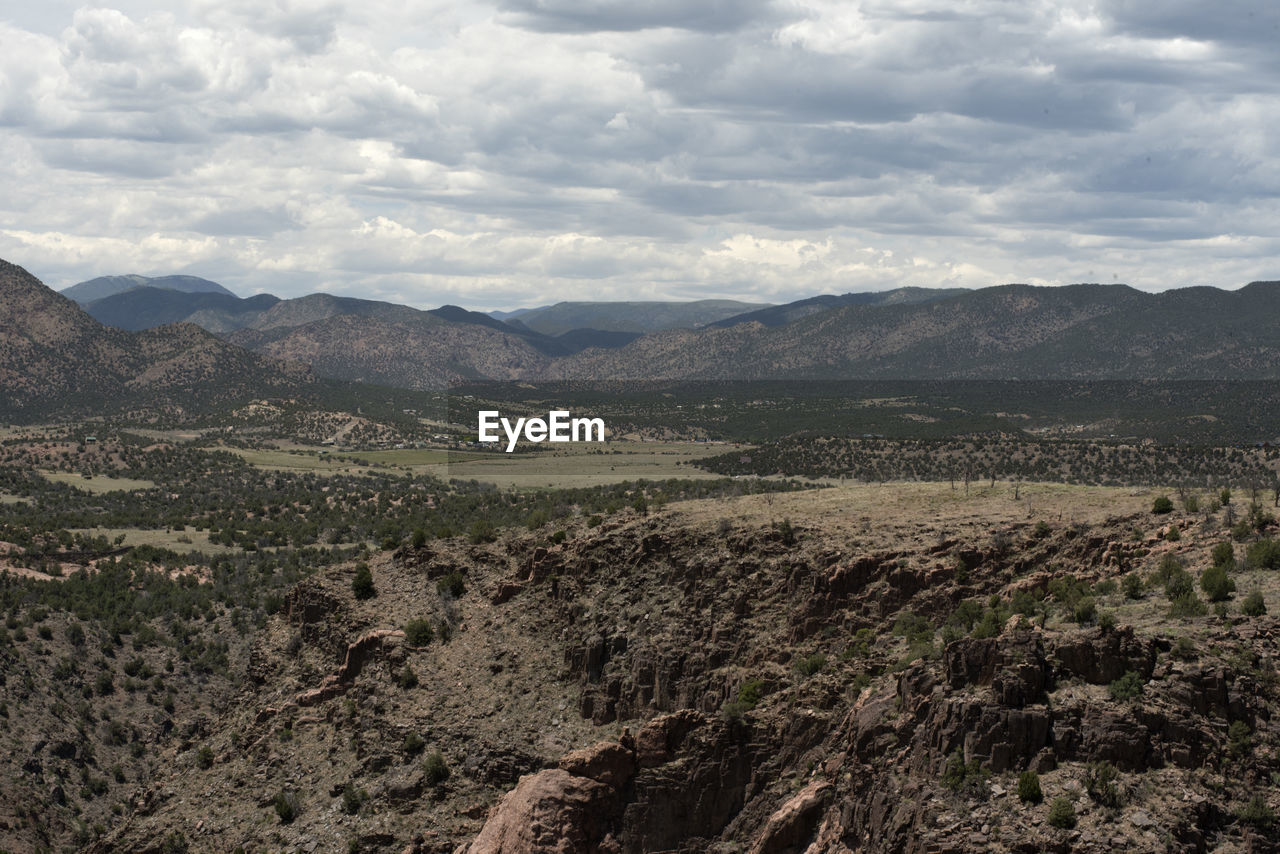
<point>520,152</point>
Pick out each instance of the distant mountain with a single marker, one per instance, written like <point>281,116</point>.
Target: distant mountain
<point>410,349</point>
<point>105,286</point>
<point>507,315</point>
<point>145,307</point>
<point>55,358</point>
<point>641,317</point>
<point>780,315</point>
<point>1006,332</point>
<point>223,314</point>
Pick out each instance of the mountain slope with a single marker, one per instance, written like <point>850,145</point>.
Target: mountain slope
<point>55,358</point>
<point>105,286</point>
<point>145,307</point>
<point>1007,332</point>
<point>780,315</point>
<point>630,316</point>
<point>413,349</point>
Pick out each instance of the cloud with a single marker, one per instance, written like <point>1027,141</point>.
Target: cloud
<point>576,16</point>
<point>535,150</point>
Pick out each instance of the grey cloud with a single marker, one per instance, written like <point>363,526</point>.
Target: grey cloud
<point>1254,23</point>
<point>245,221</point>
<point>574,16</point>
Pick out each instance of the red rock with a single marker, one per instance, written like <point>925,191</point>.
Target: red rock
<point>551,811</point>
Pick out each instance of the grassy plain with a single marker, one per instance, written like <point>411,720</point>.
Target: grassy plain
<point>585,465</point>
<point>573,466</point>
<point>96,484</point>
<point>178,541</point>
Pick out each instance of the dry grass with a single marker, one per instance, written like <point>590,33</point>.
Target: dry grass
<point>583,466</point>
<point>98,483</point>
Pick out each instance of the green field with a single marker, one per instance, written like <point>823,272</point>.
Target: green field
<point>98,483</point>
<point>582,465</point>
<point>162,539</point>
<point>574,466</point>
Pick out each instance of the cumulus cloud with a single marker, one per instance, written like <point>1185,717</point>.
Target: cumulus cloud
<point>516,152</point>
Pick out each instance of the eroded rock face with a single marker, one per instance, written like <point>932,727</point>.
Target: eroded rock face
<point>683,775</point>
<point>551,811</point>
<point>793,824</point>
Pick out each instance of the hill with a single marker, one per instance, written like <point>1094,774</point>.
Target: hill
<point>642,317</point>
<point>56,358</point>
<point>779,315</point>
<point>144,307</point>
<point>405,348</point>
<point>105,286</point>
<point>1007,332</point>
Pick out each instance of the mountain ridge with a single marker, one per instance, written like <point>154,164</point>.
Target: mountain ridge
<point>105,286</point>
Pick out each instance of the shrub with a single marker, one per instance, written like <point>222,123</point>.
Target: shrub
<point>362,584</point>
<point>912,627</point>
<point>990,625</point>
<point>454,584</point>
<point>1041,530</point>
<point>787,533</point>
<point>1106,621</point>
<point>204,757</point>
<point>1178,582</point>
<point>1062,813</point>
<point>419,538</point>
<point>1257,813</point>
<point>1029,788</point>
<point>1224,497</point>
<point>1191,503</point>
<point>1184,649</point>
<point>407,678</point>
<point>435,769</point>
<point>594,521</point>
<point>1216,584</point>
<point>1163,504</point>
<point>1127,687</point>
<point>1189,605</point>
<point>1105,587</point>
<point>961,776</point>
<point>1253,605</point>
<point>1264,554</point>
<point>966,614</point>
<point>1131,584</point>
<point>353,799</point>
<point>1239,739</point>
<point>482,531</point>
<point>1174,535</point>
<point>1085,611</point>
<point>1223,554</point>
<point>418,632</point>
<point>1100,782</point>
<point>751,692</point>
<point>811,664</point>
<point>286,804</point>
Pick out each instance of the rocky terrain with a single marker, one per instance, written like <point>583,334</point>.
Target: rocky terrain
<point>861,669</point>
<point>54,357</point>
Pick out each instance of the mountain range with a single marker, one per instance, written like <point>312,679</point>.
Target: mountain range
<point>175,343</point>
<point>54,357</point>
<point>638,317</point>
<point>105,286</point>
